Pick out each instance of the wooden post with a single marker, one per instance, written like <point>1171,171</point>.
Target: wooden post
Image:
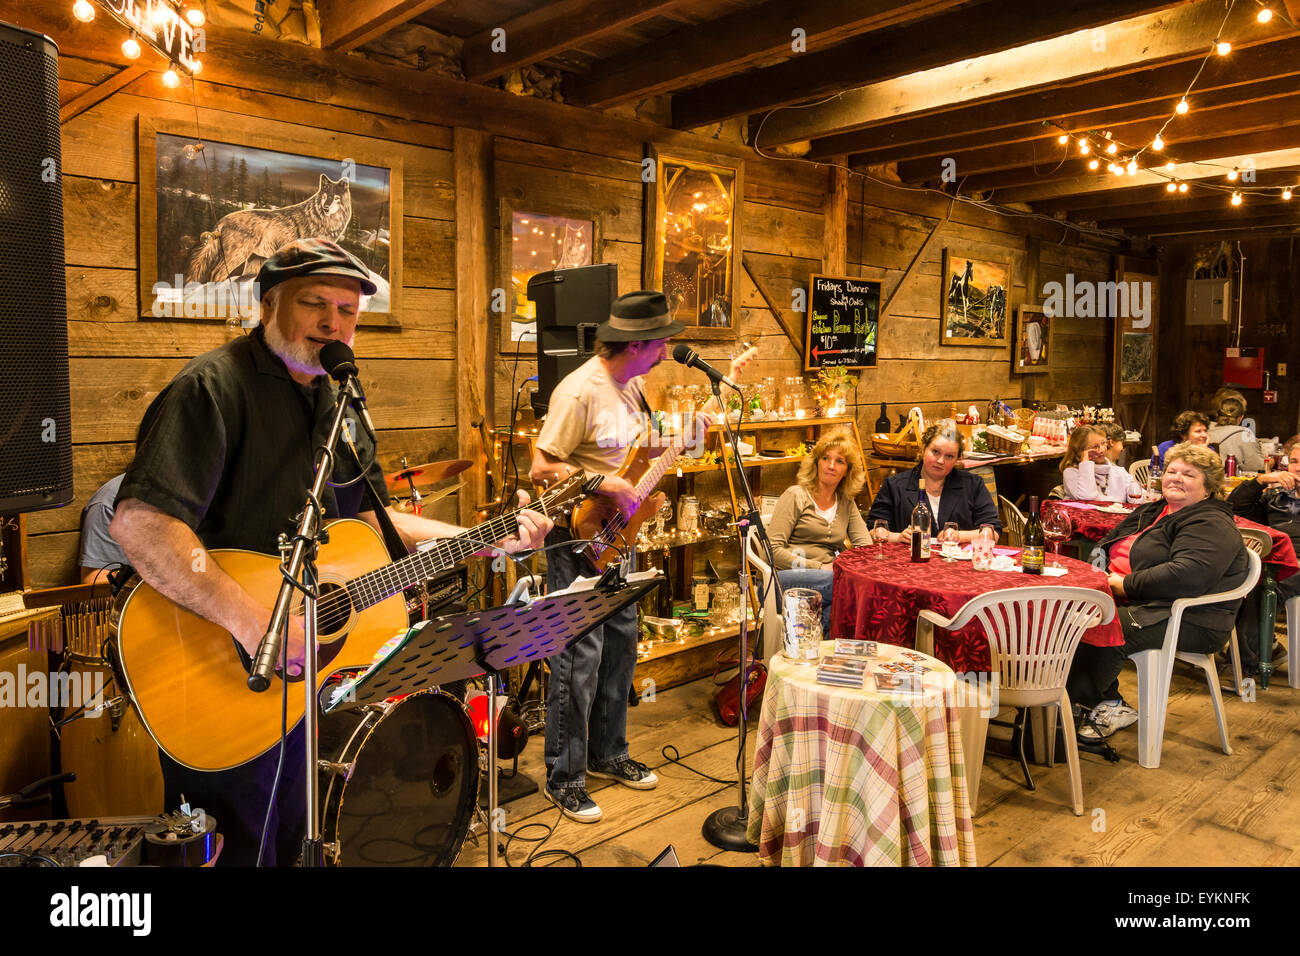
<point>472,158</point>
<point>835,239</point>
<point>1033,250</point>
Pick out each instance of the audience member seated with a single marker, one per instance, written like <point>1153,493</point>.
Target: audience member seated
<point>1189,426</point>
<point>1229,437</point>
<point>814,516</point>
<point>1089,474</point>
<point>1184,545</point>
<point>1272,500</point>
<point>99,553</point>
<point>952,495</point>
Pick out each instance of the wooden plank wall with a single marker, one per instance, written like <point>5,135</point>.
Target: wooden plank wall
<point>120,362</point>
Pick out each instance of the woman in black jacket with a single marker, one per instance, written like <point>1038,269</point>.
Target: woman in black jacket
<point>953,495</point>
<point>1185,545</point>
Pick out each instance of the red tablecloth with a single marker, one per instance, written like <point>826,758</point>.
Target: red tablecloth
<point>880,600</point>
<point>1094,524</point>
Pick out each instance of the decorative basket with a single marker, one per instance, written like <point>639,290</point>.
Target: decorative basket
<point>1003,441</point>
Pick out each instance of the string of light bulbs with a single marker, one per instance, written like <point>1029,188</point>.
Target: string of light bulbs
<point>1099,144</point>
<point>193,14</point>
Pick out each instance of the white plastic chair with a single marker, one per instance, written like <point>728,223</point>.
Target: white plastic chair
<point>769,614</point>
<point>1141,471</point>
<point>1293,641</point>
<point>1262,544</point>
<point>1155,669</point>
<point>1032,634</point>
<point>1013,520</point>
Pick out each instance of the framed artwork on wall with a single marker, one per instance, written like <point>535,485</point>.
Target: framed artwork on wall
<point>539,237</point>
<point>973,300</point>
<point>212,211</point>
<point>1132,303</point>
<point>692,224</point>
<point>1033,349</point>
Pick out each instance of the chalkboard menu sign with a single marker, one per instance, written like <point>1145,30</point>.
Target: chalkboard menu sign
<point>843,323</point>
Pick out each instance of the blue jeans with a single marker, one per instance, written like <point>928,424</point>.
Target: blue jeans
<point>586,705</point>
<point>819,581</point>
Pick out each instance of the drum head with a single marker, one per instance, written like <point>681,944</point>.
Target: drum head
<point>411,795</point>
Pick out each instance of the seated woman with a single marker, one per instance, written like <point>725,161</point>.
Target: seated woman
<point>1182,546</point>
<point>1088,474</point>
<point>1273,500</point>
<point>814,516</point>
<point>1228,436</point>
<point>1189,426</point>
<point>953,495</point>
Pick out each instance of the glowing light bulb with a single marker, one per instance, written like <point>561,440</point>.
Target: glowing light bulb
<point>1117,170</point>
<point>197,68</point>
<point>1232,176</point>
<point>1182,187</point>
<point>1157,144</point>
<point>1171,187</point>
<point>195,16</point>
<point>171,79</point>
<point>1286,193</point>
<point>1264,15</point>
<point>1182,108</point>
<point>83,11</point>
<point>1236,199</point>
<point>1170,166</point>
<point>131,48</point>
<point>1084,148</point>
<point>1093,164</point>
<point>1132,167</point>
<point>1113,148</point>
<point>1222,47</point>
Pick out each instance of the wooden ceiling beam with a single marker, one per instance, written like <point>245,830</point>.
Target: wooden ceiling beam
<point>699,53</point>
<point>542,33</point>
<point>348,24</point>
<point>986,29</point>
<point>1177,206</point>
<point>1131,45</point>
<point>1239,217</point>
<point>1117,203</point>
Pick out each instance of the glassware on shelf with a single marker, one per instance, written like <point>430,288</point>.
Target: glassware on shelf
<point>726,603</point>
<point>688,515</point>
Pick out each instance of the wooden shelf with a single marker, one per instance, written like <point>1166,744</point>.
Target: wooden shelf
<point>710,635</point>
<point>682,542</point>
<point>783,423</point>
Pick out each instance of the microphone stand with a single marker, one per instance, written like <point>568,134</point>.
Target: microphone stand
<point>727,828</point>
<point>299,561</point>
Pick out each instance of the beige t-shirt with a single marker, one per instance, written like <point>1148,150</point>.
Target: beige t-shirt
<point>591,421</point>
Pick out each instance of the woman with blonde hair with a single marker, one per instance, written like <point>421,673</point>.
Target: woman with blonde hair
<point>815,515</point>
<point>1088,474</point>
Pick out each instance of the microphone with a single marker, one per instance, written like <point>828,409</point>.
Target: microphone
<point>688,356</point>
<point>338,362</point>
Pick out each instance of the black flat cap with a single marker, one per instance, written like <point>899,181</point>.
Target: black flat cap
<point>312,257</point>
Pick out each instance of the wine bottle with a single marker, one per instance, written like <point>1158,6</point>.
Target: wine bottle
<point>921,527</point>
<point>882,423</point>
<point>1031,555</point>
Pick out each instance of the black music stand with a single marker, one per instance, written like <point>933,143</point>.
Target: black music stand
<point>482,643</point>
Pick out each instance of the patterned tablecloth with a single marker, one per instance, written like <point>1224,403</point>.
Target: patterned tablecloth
<point>1092,523</point>
<point>856,777</point>
<point>880,600</point>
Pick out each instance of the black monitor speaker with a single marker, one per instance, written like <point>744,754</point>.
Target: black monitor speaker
<point>35,410</point>
<point>571,303</point>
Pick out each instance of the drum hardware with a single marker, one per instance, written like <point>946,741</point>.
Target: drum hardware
<point>402,483</point>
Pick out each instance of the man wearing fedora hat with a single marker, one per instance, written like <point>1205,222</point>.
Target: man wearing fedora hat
<point>596,413</point>
<point>224,459</point>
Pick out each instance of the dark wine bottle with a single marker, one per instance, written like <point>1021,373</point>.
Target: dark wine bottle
<point>1033,545</point>
<point>921,526</point>
<point>882,423</point>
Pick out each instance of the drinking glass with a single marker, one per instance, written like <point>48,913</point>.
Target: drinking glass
<point>662,518</point>
<point>1057,530</point>
<point>950,541</point>
<point>803,624</point>
<point>880,531</point>
<point>981,550</point>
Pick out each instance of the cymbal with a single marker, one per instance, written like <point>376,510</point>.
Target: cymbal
<point>425,476</point>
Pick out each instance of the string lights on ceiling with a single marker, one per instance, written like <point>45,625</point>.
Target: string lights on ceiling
<point>168,27</point>
<point>1091,141</point>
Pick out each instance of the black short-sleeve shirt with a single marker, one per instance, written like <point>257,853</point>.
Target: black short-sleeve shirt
<point>228,448</point>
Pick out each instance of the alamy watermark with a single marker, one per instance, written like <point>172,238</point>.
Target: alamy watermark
<point>213,300</point>
<point>54,690</point>
<point>1098,300</point>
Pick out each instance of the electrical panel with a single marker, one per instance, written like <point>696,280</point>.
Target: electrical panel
<point>1209,301</point>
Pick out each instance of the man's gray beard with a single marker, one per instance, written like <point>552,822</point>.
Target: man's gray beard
<point>299,358</point>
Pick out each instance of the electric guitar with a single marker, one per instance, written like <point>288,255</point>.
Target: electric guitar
<point>599,519</point>
<point>184,673</point>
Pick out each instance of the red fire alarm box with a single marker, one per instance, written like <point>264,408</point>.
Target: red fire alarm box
<point>1244,367</point>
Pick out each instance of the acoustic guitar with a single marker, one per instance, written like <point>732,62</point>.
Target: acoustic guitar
<point>184,674</point>
<point>599,519</point>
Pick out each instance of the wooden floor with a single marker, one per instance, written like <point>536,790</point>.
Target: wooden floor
<point>1200,808</point>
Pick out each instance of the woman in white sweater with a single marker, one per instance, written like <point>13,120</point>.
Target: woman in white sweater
<point>1088,475</point>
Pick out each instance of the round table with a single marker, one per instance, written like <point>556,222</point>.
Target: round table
<point>848,776</point>
<point>880,600</point>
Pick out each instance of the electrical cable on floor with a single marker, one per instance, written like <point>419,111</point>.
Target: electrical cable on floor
<point>676,757</point>
<point>537,852</point>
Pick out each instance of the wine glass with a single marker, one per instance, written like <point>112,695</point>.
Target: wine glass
<point>950,541</point>
<point>880,531</point>
<point>662,517</point>
<point>1057,529</point>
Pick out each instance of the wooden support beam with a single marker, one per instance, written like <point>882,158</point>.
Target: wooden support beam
<point>348,24</point>
<point>472,156</point>
<point>564,25</point>
<point>100,92</point>
<point>1095,206</point>
<point>835,239</point>
<point>698,53</point>
<point>1254,215</point>
<point>1175,207</point>
<point>916,261</point>
<point>1130,45</point>
<point>750,262</point>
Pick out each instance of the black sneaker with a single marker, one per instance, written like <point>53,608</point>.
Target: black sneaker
<point>575,803</point>
<point>626,771</point>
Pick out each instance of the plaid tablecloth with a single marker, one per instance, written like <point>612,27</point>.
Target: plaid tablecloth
<point>849,777</point>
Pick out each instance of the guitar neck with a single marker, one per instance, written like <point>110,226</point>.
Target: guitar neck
<point>654,474</point>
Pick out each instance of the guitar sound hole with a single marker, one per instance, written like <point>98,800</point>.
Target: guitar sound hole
<point>332,610</point>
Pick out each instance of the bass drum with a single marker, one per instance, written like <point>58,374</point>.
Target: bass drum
<point>399,782</point>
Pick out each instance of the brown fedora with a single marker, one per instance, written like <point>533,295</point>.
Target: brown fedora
<point>640,316</point>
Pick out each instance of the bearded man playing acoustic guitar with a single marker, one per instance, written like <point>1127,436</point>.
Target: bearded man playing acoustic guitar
<point>224,459</point>
<point>596,414</point>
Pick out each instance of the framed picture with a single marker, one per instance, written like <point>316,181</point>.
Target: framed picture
<point>212,211</point>
<point>1033,350</point>
<point>539,237</point>
<point>692,220</point>
<point>1132,303</point>
<point>973,304</point>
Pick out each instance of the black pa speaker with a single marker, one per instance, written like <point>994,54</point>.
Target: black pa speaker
<point>35,410</point>
<point>570,304</point>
